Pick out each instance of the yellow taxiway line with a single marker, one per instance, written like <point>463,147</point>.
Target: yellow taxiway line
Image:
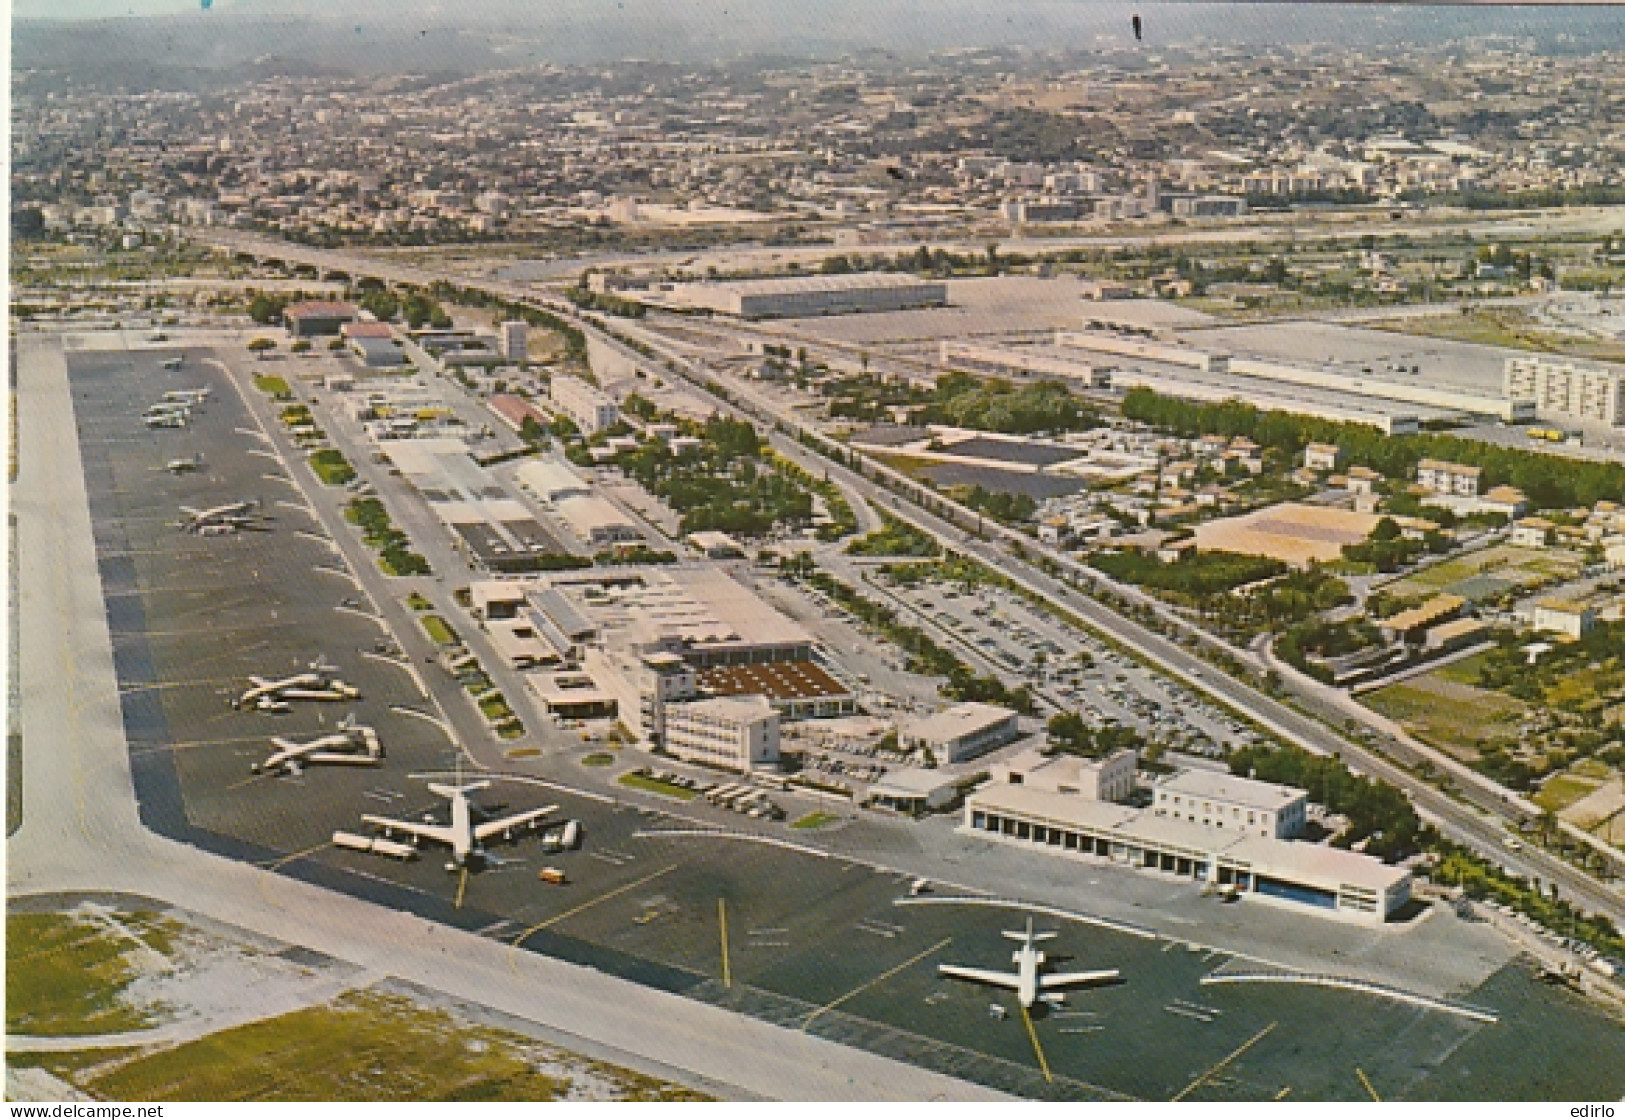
<point>1366,1081</point>
<point>722,928</point>
<point>1224,1061</point>
<point>589,904</point>
<point>462,886</point>
<point>887,975</point>
<point>1032,1033</point>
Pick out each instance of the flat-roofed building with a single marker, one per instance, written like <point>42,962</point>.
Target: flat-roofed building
<point>960,732</point>
<point>1098,779</point>
<point>802,296</point>
<point>796,689</point>
<point>595,521</point>
<point>1316,878</point>
<point>1564,616</point>
<point>514,411</point>
<point>374,344</point>
<point>1440,477</point>
<point>514,335</point>
<point>1565,388</point>
<point>1231,803</point>
<point>312,317</point>
<point>586,405</point>
<point>734,733</point>
<point>551,481</point>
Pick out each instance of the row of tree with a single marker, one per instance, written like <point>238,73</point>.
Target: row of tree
<point>1548,480</point>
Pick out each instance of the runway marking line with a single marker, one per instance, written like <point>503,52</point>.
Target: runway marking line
<point>1366,1081</point>
<point>1222,1062</point>
<point>462,886</point>
<point>277,864</point>
<point>722,927</point>
<point>591,902</point>
<point>887,975</point>
<point>1032,1033</point>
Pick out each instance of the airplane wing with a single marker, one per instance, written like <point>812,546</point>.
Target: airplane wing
<point>438,832</point>
<point>1056,980</point>
<point>334,758</point>
<point>492,828</point>
<point>980,976</point>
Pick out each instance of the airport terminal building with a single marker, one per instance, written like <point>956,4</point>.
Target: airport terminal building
<point>1031,807</point>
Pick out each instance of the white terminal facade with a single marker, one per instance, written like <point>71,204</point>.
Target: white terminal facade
<point>1055,804</point>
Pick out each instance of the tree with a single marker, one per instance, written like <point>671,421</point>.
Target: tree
<point>261,346</point>
<point>1385,530</point>
<point>302,346</point>
<point>336,344</point>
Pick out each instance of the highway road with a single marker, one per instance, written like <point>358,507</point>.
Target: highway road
<point>81,832</point>
<point>1482,825</point>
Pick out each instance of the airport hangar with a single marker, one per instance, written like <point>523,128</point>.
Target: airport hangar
<point>1045,803</point>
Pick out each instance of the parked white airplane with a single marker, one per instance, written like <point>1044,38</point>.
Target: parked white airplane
<point>352,744</point>
<point>228,518</point>
<point>165,419</point>
<point>462,835</point>
<point>271,695</point>
<point>1026,981</point>
<point>175,362</point>
<point>188,397</point>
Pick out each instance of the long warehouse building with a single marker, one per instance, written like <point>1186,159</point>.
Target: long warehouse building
<point>801,296</point>
<point>1372,389</point>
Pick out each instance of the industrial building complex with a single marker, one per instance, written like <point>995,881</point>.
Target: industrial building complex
<point>803,296</point>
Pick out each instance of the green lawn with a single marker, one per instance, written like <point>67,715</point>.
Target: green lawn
<point>815,820</point>
<point>496,708</point>
<point>1562,790</point>
<point>655,785</point>
<point>1464,671</point>
<point>332,467</point>
<point>63,976</point>
<point>438,629</point>
<point>599,758</point>
<point>1453,717</point>
<point>273,385</point>
<point>418,603</point>
<point>365,1047</point>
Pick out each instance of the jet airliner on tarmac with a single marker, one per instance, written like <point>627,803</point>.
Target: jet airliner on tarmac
<point>1026,981</point>
<point>462,835</point>
<point>352,744</point>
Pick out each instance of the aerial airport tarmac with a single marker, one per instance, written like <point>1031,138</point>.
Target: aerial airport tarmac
<point>824,943</point>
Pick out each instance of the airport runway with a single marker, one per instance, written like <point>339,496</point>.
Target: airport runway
<point>81,832</point>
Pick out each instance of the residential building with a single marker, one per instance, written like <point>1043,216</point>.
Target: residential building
<point>1440,477</point>
<point>514,336</point>
<point>1322,456</point>
<point>1563,616</point>
<point>1532,532</point>
<point>1565,388</point>
<point>586,405</point>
